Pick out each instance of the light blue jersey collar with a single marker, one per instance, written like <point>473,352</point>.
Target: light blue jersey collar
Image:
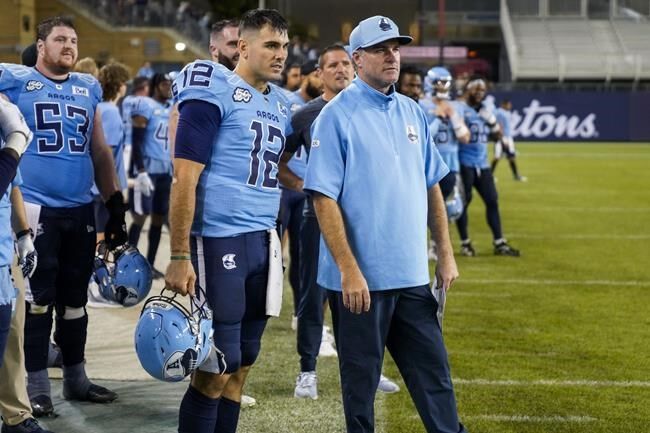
<point>374,97</point>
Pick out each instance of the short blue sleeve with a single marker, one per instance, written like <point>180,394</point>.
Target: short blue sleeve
<point>142,107</point>
<point>326,163</point>
<point>112,124</point>
<point>209,82</point>
<point>10,79</point>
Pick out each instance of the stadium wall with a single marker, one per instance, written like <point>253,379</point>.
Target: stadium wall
<point>579,116</point>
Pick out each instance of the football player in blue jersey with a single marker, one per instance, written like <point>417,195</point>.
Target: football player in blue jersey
<point>475,170</point>
<point>152,165</point>
<point>230,136</point>
<point>139,87</point>
<point>447,125</point>
<point>373,173</point>
<point>506,144</point>
<point>58,170</point>
<point>447,128</point>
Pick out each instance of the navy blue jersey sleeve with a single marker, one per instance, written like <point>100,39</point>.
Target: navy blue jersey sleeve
<point>8,167</point>
<point>198,124</point>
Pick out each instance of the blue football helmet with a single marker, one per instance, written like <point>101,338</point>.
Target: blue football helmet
<point>124,275</point>
<point>454,204</point>
<point>171,341</point>
<point>438,82</point>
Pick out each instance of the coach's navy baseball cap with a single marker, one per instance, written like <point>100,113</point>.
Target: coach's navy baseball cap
<point>374,30</point>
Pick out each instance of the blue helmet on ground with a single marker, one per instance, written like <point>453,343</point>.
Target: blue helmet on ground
<point>438,82</point>
<point>124,276</point>
<point>454,204</point>
<point>170,340</point>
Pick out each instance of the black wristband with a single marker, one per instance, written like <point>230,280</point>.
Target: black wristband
<point>22,233</point>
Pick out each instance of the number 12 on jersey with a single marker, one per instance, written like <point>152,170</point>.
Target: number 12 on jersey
<point>270,158</point>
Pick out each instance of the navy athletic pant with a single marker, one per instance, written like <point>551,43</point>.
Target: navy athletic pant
<point>404,321</point>
<point>312,296</point>
<point>292,204</point>
<point>483,181</point>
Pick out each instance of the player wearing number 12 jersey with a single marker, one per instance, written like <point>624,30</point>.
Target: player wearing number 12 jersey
<point>231,134</point>
<point>68,152</point>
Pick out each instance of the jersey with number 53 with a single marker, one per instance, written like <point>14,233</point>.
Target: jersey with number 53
<point>155,149</point>
<point>57,167</point>
<point>238,189</point>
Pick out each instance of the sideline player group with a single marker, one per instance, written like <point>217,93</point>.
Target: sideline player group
<point>357,173</point>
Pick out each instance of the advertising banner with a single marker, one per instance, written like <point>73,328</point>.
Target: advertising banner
<point>579,116</point>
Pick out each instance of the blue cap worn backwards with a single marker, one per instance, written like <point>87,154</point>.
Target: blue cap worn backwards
<point>374,30</point>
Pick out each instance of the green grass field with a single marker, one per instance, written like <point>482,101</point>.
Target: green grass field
<point>554,341</point>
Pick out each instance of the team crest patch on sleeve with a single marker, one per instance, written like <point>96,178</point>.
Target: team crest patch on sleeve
<point>282,109</point>
<point>241,95</point>
<point>412,134</point>
<point>81,91</point>
<point>33,85</point>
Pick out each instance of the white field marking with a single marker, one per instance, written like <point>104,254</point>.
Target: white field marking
<point>535,282</point>
<point>587,155</point>
<point>491,331</point>
<point>462,294</point>
<point>532,418</point>
<point>495,354</point>
<point>594,209</point>
<point>556,382</point>
<point>639,237</point>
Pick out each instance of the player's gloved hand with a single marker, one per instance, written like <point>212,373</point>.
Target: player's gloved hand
<point>143,184</point>
<point>15,131</point>
<point>488,115</point>
<point>27,256</point>
<point>115,230</point>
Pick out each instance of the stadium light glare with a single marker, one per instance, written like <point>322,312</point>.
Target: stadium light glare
<point>180,46</point>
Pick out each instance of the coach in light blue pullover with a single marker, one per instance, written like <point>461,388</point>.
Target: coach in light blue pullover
<point>373,172</point>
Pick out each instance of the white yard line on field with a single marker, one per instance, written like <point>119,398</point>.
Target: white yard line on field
<point>541,282</point>
<point>590,209</point>
<point>532,418</point>
<point>556,382</point>
<point>598,236</point>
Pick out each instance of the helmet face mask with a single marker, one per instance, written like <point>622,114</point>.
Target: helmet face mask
<point>172,341</point>
<point>440,81</point>
<point>123,275</point>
